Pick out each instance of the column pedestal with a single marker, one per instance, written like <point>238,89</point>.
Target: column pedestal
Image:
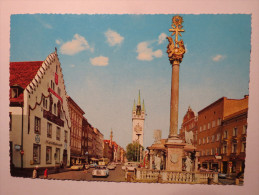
<point>175,152</point>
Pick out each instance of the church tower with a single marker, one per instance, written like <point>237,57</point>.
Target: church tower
<point>138,119</point>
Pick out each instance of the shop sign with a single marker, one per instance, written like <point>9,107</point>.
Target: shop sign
<point>17,147</point>
<point>218,157</point>
<point>53,143</point>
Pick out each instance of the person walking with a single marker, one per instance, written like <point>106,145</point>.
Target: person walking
<point>46,173</point>
<point>34,173</point>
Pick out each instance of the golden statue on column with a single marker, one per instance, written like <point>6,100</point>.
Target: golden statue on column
<point>176,49</point>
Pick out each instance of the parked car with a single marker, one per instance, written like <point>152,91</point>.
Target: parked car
<point>125,165</point>
<point>222,175</point>
<point>131,167</point>
<point>111,166</point>
<point>93,165</point>
<point>77,167</point>
<point>87,166</point>
<point>100,171</point>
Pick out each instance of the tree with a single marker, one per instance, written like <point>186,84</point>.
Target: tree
<point>133,151</point>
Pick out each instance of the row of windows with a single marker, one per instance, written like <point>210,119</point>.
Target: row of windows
<point>233,148</point>
<point>37,154</point>
<point>235,131</point>
<point>210,125</point>
<point>216,151</point>
<point>55,108</point>
<point>37,129</point>
<point>212,151</point>
<point>209,139</point>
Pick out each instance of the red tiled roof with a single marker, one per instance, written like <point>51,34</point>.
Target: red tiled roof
<point>18,99</point>
<point>22,73</point>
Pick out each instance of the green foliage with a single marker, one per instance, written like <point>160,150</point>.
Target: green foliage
<point>133,151</point>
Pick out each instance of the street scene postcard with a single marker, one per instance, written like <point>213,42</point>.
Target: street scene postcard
<point>129,98</point>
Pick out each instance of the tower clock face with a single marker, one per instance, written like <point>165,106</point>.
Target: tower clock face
<point>138,128</point>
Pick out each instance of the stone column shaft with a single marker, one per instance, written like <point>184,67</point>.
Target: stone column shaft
<point>174,100</point>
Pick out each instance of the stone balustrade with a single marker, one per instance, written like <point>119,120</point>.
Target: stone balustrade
<point>150,175</point>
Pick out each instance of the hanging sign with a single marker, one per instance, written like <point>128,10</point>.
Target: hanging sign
<point>37,139</point>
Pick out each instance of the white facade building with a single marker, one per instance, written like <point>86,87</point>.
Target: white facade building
<point>39,118</point>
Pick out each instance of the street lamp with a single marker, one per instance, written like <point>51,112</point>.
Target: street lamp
<point>138,149</point>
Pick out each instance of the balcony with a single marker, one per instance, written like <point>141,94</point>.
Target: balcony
<point>53,118</point>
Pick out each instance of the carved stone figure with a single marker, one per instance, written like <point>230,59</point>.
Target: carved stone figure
<point>188,137</point>
<point>175,51</point>
<point>188,164</point>
<point>157,162</point>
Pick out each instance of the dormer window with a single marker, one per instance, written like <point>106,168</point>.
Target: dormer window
<point>14,92</point>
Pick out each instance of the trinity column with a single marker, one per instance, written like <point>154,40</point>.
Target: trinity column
<point>175,50</point>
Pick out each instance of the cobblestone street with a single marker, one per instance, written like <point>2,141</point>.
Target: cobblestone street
<point>117,175</point>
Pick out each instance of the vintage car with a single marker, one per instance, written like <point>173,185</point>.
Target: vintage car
<point>77,167</point>
<point>222,175</point>
<point>87,166</point>
<point>100,171</point>
<point>131,167</point>
<point>93,165</point>
<point>111,166</point>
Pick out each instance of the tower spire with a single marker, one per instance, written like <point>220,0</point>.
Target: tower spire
<point>139,97</point>
<point>134,106</point>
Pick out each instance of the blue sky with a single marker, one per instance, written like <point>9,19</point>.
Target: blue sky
<point>106,59</point>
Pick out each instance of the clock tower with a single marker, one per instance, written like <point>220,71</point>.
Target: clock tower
<point>138,119</point>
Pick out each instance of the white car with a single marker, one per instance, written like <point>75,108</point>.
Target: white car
<point>100,171</point>
<point>111,167</point>
<point>77,167</point>
<point>131,167</point>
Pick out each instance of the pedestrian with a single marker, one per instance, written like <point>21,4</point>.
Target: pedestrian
<point>46,173</point>
<point>61,164</point>
<point>34,173</point>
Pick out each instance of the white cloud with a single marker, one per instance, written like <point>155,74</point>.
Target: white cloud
<point>146,53</point>
<point>218,58</point>
<point>58,42</point>
<point>158,53</point>
<point>162,38</point>
<point>77,44</point>
<point>42,22</point>
<point>113,38</point>
<point>99,61</point>
<point>47,25</point>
